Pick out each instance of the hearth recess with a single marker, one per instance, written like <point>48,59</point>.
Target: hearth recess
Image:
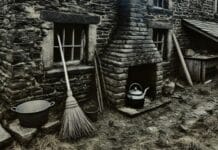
<point>145,75</point>
<point>131,55</point>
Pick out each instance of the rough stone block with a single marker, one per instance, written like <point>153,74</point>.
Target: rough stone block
<point>21,134</point>
<point>5,137</point>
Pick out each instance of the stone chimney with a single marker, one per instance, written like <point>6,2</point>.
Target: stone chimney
<point>130,46</point>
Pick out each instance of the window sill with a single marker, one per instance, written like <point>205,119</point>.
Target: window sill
<point>164,63</point>
<point>160,24</point>
<point>158,10</point>
<point>70,68</point>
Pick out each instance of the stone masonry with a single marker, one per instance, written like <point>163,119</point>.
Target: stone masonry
<point>131,45</point>
<point>22,73</point>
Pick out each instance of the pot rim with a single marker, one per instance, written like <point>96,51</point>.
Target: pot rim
<point>46,108</point>
<point>91,111</point>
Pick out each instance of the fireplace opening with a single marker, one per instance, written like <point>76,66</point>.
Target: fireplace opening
<point>145,75</point>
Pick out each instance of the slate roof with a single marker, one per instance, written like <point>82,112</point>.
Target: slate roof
<point>206,28</point>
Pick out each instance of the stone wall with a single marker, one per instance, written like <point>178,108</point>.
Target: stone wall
<point>192,9</point>
<point>180,9</point>
<point>22,72</point>
<point>130,46</point>
<point>7,25</point>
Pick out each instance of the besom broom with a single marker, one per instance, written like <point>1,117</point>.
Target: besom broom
<point>75,124</point>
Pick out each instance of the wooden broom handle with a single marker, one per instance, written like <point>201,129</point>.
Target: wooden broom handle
<point>64,64</point>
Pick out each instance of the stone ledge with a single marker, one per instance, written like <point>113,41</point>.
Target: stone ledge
<point>21,134</point>
<point>157,10</point>
<point>76,69</point>
<point>131,112</point>
<point>61,17</point>
<point>5,137</point>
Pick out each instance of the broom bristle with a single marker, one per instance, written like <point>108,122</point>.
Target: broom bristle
<point>75,124</point>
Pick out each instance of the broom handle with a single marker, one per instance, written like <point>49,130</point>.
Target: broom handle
<point>69,91</point>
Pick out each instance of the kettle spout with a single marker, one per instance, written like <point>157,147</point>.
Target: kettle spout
<point>145,91</point>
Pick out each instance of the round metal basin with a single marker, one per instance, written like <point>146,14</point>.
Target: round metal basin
<point>33,113</point>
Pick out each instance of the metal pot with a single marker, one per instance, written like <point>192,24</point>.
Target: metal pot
<point>33,113</point>
<point>92,113</point>
<point>136,96</point>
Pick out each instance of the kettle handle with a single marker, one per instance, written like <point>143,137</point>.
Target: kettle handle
<point>135,84</point>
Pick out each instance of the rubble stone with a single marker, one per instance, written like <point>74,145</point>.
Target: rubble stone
<point>23,135</point>
<point>204,91</point>
<point>169,87</point>
<point>5,137</point>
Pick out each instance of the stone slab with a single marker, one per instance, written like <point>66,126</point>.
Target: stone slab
<point>21,134</point>
<point>132,112</point>
<point>61,17</point>
<point>5,137</point>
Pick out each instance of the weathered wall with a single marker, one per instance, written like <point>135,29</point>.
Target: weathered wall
<point>192,9</point>
<point>181,9</point>
<point>23,76</point>
<point>7,25</point>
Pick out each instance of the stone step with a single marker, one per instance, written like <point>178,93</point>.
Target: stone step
<point>132,112</point>
<point>21,134</point>
<point>5,137</point>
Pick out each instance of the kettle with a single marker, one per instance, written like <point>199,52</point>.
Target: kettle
<point>136,92</point>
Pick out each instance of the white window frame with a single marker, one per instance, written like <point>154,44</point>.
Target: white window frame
<point>215,6</point>
<point>72,46</point>
<point>47,45</point>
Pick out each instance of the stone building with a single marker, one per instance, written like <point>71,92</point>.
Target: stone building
<point>134,38</point>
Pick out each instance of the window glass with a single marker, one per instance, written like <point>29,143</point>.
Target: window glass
<point>160,40</point>
<point>71,36</point>
<point>161,3</point>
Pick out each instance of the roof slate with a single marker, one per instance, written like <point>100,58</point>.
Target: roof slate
<point>206,28</point>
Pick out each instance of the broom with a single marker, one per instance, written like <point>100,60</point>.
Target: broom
<point>75,124</point>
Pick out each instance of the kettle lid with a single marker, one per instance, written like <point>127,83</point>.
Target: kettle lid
<point>135,91</point>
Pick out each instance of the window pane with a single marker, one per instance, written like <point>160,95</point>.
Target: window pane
<point>155,2</point>
<point>57,56</point>
<point>58,30</point>
<point>68,34</point>
<point>78,33</point>
<point>67,53</point>
<point>77,53</point>
<point>160,2</point>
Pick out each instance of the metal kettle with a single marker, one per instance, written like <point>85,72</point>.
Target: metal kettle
<point>136,92</point>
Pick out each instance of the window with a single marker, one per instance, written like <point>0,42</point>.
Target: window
<point>160,40</point>
<point>161,3</point>
<point>73,39</point>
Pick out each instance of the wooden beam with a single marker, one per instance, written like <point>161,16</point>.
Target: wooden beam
<point>188,77</point>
